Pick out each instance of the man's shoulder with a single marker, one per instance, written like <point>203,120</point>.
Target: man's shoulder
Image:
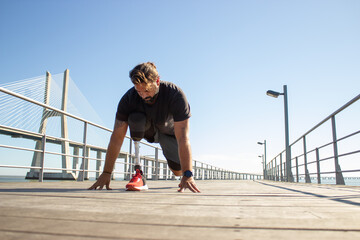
<point>130,94</point>
<point>130,97</point>
<point>170,87</point>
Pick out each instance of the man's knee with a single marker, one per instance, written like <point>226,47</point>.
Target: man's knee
<point>137,122</point>
<point>174,167</point>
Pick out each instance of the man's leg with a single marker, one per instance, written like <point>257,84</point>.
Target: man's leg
<point>170,150</point>
<point>137,123</point>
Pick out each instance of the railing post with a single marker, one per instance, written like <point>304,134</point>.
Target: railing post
<point>276,171</point>
<point>146,168</point>
<point>41,175</point>
<point>202,171</point>
<point>297,169</point>
<point>82,175</point>
<point>307,175</point>
<point>318,166</point>
<point>76,161</point>
<point>157,165</point>
<point>167,172</point>
<point>281,169</point>
<point>207,172</point>
<point>339,175</point>
<point>126,164</point>
<point>194,169</point>
<point>98,163</point>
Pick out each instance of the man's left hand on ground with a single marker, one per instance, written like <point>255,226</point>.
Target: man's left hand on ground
<point>188,183</point>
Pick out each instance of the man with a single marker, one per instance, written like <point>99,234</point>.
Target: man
<point>159,112</point>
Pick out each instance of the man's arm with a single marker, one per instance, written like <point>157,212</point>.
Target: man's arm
<point>116,141</point>
<point>182,136</point>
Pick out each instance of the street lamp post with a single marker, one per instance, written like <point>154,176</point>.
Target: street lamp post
<point>274,94</point>
<point>265,171</point>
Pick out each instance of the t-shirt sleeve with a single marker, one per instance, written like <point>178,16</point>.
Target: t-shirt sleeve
<point>181,107</point>
<point>122,112</point>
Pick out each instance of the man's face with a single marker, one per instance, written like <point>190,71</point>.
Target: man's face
<point>147,91</point>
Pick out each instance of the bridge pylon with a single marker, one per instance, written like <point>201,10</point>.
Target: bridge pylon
<point>65,148</point>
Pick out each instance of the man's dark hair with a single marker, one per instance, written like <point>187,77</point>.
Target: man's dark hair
<point>144,73</point>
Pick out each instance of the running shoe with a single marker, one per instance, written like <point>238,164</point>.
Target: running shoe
<point>137,183</point>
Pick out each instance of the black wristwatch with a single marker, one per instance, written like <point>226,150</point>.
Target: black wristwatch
<point>188,174</point>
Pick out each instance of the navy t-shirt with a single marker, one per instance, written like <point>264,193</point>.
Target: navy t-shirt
<point>171,106</point>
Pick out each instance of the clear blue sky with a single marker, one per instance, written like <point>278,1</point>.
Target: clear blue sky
<point>224,54</point>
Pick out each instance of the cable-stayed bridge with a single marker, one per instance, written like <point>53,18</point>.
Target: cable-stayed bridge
<point>51,112</point>
<point>44,135</point>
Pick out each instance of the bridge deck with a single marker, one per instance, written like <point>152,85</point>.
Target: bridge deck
<point>224,210</point>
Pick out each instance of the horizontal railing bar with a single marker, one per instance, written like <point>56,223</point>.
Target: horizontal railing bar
<point>20,148</point>
<point>331,157</point>
<point>350,135</point>
<point>340,139</point>
<point>17,166</point>
<point>348,153</point>
<point>327,118</point>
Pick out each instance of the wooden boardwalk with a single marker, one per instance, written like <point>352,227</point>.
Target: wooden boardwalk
<point>224,210</point>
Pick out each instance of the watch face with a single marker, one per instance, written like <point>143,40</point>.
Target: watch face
<point>188,173</point>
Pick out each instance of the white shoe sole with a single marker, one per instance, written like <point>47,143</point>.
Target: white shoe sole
<point>145,187</point>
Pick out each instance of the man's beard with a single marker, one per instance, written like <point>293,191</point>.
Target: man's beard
<point>151,100</point>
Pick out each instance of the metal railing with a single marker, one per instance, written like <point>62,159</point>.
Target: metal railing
<point>154,167</point>
<point>307,164</point>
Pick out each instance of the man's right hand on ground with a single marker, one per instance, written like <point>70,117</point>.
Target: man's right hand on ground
<point>104,179</point>
<point>188,183</point>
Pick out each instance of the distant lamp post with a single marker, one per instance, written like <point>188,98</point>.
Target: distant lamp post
<point>264,169</point>
<point>262,161</point>
<point>274,94</point>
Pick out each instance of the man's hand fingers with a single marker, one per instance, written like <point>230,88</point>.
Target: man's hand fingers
<point>190,186</point>
<point>193,188</point>
<point>103,180</point>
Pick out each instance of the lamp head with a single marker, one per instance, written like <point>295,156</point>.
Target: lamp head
<point>273,93</point>
<point>260,143</point>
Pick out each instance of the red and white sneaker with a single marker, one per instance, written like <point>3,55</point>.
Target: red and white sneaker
<point>137,183</point>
